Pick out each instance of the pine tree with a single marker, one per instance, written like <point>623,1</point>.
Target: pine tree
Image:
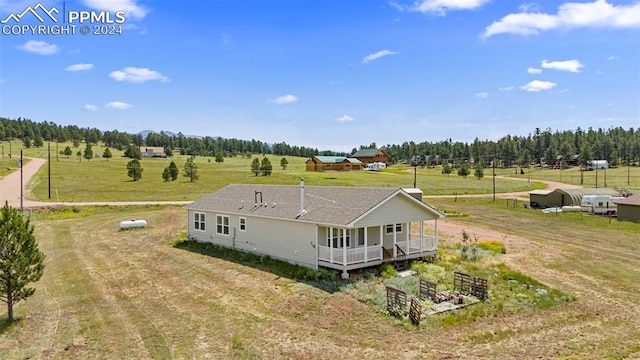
<point>166,174</point>
<point>463,170</point>
<point>255,166</point>
<point>266,166</point>
<point>21,262</point>
<point>446,168</point>
<point>107,154</point>
<point>67,151</point>
<point>173,171</point>
<point>168,151</point>
<point>191,169</point>
<point>479,172</point>
<point>88,152</point>
<point>284,162</point>
<point>134,170</point>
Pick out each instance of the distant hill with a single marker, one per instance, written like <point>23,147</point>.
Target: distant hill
<point>144,133</point>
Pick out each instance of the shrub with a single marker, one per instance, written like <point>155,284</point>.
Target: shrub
<point>428,271</point>
<point>470,253</point>
<point>496,246</point>
<point>387,271</point>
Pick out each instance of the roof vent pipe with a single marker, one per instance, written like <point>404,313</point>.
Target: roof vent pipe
<point>301,195</point>
<point>255,198</point>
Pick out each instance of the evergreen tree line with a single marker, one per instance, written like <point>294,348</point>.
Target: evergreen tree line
<point>616,145</point>
<point>36,134</point>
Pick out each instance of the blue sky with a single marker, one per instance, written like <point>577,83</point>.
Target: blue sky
<point>327,74</point>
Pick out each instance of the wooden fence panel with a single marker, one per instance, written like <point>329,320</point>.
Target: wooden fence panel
<point>428,290</point>
<point>415,311</point>
<point>396,299</point>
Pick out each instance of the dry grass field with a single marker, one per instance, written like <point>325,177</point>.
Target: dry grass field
<point>108,293</point>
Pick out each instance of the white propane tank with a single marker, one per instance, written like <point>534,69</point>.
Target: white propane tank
<point>133,223</point>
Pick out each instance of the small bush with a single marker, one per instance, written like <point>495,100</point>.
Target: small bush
<point>496,246</point>
<point>470,253</point>
<point>387,271</point>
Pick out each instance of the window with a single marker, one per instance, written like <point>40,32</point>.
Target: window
<point>340,238</point>
<point>360,236</point>
<point>199,221</point>
<point>222,225</point>
<point>389,228</point>
<point>243,224</point>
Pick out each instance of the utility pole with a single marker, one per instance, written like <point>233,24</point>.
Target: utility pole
<point>493,165</point>
<point>21,185</point>
<point>49,161</point>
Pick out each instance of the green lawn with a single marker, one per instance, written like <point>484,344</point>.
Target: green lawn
<point>620,177</point>
<point>102,180</point>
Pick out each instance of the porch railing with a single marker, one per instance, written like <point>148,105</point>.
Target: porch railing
<point>353,256</point>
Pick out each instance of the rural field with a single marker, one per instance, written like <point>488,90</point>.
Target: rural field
<point>108,293</point>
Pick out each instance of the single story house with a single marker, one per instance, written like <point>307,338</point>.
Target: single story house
<point>152,151</point>
<point>629,208</point>
<point>341,163</point>
<point>341,228</point>
<point>367,156</point>
<point>564,197</point>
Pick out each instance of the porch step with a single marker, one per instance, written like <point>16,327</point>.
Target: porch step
<point>400,266</point>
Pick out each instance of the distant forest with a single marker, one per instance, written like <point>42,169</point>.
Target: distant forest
<point>616,145</point>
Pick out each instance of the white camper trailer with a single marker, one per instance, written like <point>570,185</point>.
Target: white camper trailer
<point>600,204</point>
<point>376,166</point>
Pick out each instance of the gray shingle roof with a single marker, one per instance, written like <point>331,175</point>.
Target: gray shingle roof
<point>323,204</point>
<point>366,153</point>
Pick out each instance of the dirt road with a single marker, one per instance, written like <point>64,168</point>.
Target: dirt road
<point>10,191</point>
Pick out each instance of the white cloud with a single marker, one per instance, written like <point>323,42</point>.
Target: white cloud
<point>441,7</point>
<point>285,99</point>
<point>568,65</point>
<point>507,88</point>
<point>345,119</point>
<point>137,75</point>
<point>39,47</point>
<point>534,71</point>
<point>132,10</point>
<point>377,55</point>
<point>89,107</point>
<point>538,85</point>
<point>482,95</point>
<point>118,105</point>
<point>79,67</point>
<point>612,57</point>
<point>597,14</point>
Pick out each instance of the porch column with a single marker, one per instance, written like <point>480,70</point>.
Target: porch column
<point>395,239</point>
<point>421,235</point>
<point>330,230</point>
<point>381,243</point>
<point>436,234</point>
<point>344,245</point>
<point>366,249</point>
<point>408,225</point>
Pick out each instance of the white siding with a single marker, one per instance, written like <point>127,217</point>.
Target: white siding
<point>198,235</point>
<point>285,240</point>
<point>397,210</point>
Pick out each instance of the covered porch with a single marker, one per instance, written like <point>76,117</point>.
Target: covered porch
<point>353,248</point>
